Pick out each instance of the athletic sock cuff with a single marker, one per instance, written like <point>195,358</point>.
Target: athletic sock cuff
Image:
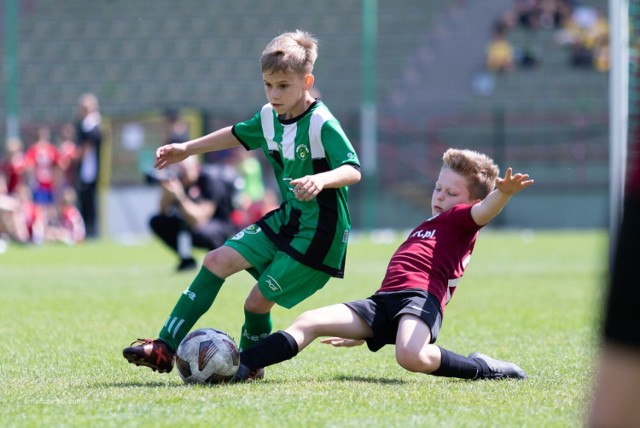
<point>206,274</point>
<point>455,365</point>
<point>292,342</point>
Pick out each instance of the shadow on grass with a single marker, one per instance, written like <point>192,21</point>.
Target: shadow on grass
<point>156,384</point>
<point>136,385</point>
<point>384,381</point>
<point>270,382</point>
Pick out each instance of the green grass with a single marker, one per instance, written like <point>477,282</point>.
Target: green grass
<point>67,312</point>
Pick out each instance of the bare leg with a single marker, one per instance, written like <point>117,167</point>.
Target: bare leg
<point>413,350</point>
<point>615,401</point>
<point>334,320</point>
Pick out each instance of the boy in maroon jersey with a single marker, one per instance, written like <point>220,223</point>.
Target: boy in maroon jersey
<point>421,277</point>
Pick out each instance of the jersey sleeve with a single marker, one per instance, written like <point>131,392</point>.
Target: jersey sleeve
<point>249,132</point>
<point>461,215</point>
<point>337,145</point>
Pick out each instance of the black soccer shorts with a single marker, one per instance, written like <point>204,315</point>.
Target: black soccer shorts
<point>382,312</point>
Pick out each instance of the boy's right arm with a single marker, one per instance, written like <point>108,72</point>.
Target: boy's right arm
<point>173,153</point>
<point>484,211</point>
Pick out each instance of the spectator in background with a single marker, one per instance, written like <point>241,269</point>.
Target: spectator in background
<point>253,200</point>
<point>587,34</point>
<point>89,139</point>
<point>540,14</point>
<point>42,162</point>
<point>69,228</point>
<point>14,165</point>
<point>177,128</point>
<point>527,14</point>
<point>68,156</point>
<point>21,219</point>
<point>195,210</point>
<point>500,55</point>
<point>13,221</point>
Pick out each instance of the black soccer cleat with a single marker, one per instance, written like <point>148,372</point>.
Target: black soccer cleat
<point>245,375</point>
<point>497,369</point>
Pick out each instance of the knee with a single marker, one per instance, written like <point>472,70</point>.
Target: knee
<point>306,321</point>
<point>251,305</point>
<point>418,361</point>
<point>257,303</point>
<point>215,261</point>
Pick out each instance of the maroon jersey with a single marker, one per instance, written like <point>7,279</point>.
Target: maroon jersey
<point>435,255</point>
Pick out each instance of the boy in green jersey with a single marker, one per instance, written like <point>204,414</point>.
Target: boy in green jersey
<point>295,249</point>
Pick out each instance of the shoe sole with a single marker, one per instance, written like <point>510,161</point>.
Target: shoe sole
<point>139,361</point>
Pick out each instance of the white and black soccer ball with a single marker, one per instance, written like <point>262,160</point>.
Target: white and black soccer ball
<point>207,356</point>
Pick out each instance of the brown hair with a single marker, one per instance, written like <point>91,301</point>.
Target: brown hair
<point>295,51</point>
<point>479,170</point>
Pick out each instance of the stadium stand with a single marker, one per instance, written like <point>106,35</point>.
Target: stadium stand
<point>148,54</point>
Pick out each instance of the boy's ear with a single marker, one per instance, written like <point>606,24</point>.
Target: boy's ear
<point>308,81</point>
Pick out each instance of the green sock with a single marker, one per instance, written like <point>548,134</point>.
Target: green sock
<point>256,327</point>
<point>192,304</point>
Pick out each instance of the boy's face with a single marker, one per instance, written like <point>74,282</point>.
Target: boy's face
<point>286,92</point>
<point>451,189</point>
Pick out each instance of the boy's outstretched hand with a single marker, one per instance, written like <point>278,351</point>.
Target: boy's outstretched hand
<point>170,154</point>
<point>513,183</point>
<point>485,210</point>
<point>339,342</point>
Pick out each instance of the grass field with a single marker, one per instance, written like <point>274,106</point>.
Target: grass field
<point>67,312</point>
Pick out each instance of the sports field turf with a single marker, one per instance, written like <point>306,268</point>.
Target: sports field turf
<point>67,312</point>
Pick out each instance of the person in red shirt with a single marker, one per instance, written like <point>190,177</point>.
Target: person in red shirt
<point>408,308</point>
<point>32,216</point>
<point>14,165</point>
<point>42,161</point>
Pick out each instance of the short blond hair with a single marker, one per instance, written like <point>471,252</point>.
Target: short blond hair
<point>295,52</point>
<point>479,170</point>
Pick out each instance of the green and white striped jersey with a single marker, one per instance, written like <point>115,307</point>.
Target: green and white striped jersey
<point>313,232</point>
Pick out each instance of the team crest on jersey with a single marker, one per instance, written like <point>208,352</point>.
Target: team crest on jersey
<point>302,152</point>
<point>252,229</point>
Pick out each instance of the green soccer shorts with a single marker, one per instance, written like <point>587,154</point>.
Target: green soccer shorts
<point>281,278</point>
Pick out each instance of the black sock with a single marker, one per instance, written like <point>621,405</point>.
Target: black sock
<point>275,348</point>
<point>455,365</point>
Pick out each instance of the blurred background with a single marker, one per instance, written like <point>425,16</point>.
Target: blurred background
<point>525,81</point>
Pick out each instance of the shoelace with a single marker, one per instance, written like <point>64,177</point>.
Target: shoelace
<point>140,341</point>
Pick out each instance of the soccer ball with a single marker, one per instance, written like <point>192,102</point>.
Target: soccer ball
<point>207,356</point>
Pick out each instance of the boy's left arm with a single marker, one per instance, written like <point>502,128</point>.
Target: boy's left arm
<point>308,187</point>
<point>484,211</point>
